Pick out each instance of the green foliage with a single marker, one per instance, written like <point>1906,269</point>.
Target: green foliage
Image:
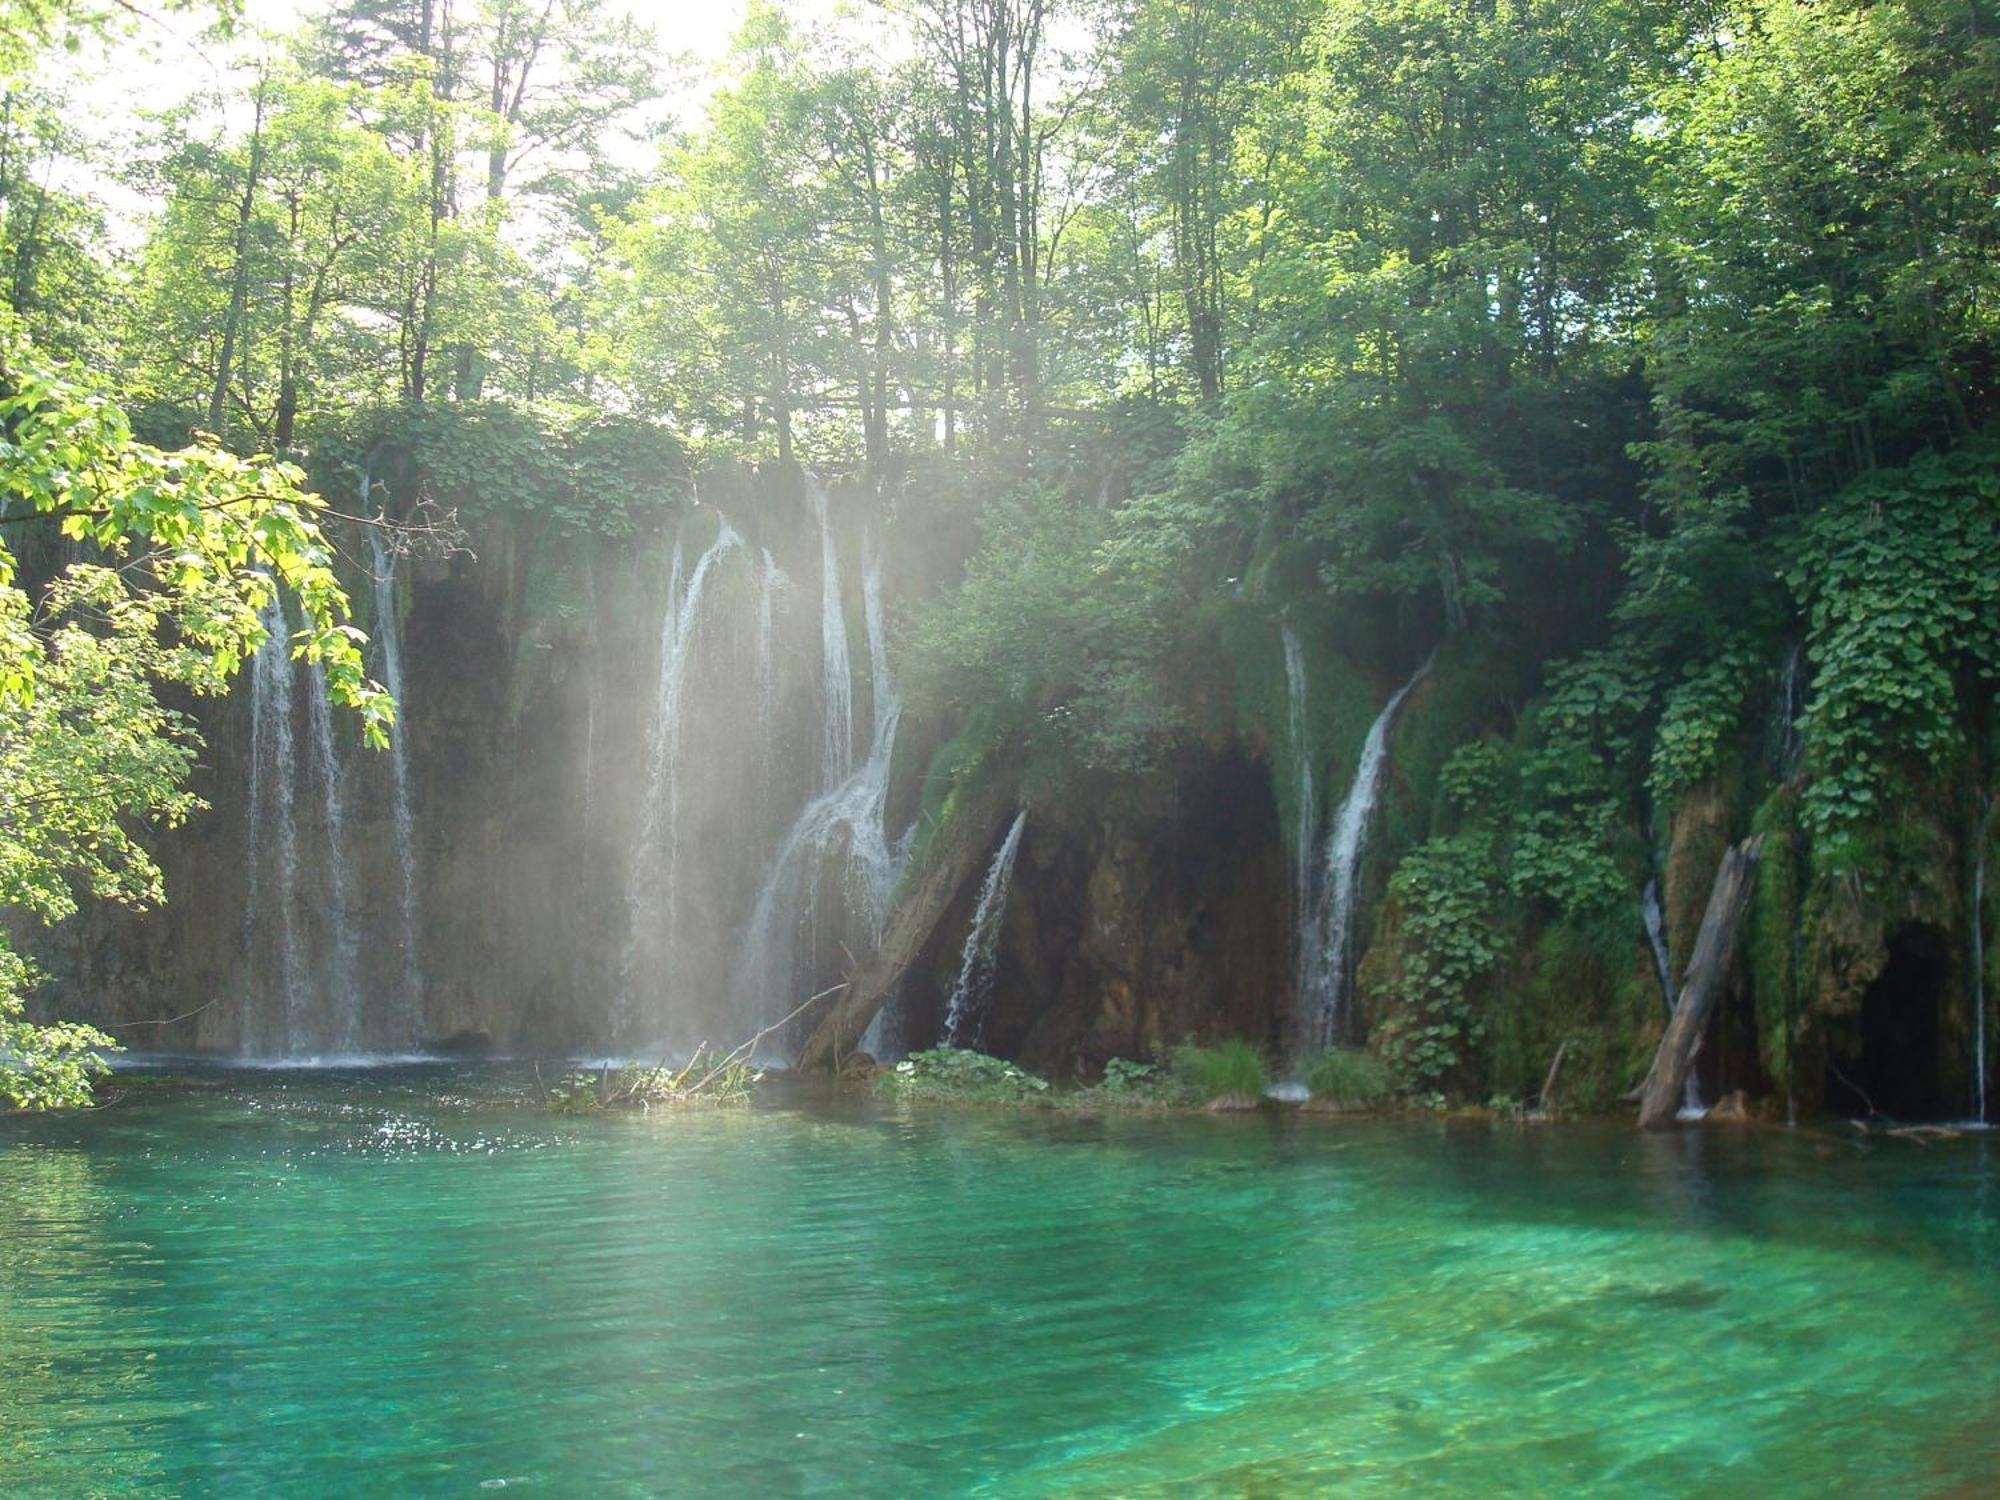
<point>1053,635</point>
<point>1901,578</point>
<point>1697,715</point>
<point>43,1066</point>
<point>1444,896</point>
<point>1350,1079</point>
<point>1127,1084</point>
<point>954,1073</point>
<point>1774,937</point>
<point>194,545</point>
<point>1231,1069</point>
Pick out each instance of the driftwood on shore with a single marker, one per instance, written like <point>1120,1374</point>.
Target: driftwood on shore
<point>1707,972</point>
<point>959,850</point>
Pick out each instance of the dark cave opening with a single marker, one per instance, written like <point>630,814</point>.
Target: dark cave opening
<point>1890,1062</point>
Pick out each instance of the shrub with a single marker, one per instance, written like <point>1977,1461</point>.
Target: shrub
<point>957,1073</point>
<point>706,1078</point>
<point>1130,1085</point>
<point>1350,1079</point>
<point>1233,1067</point>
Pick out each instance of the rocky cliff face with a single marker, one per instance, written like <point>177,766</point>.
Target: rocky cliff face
<point>532,689</point>
<point>1152,914</point>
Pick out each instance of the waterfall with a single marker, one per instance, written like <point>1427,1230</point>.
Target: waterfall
<point>965,1010</point>
<point>1323,996</point>
<point>345,1031</point>
<point>1692,1107</point>
<point>1979,967</point>
<point>273,797</point>
<point>836,675</point>
<point>1656,938</point>
<point>1791,683</point>
<point>654,893</point>
<point>1306,822</point>
<point>408,1021</point>
<point>771,582</point>
<point>837,847</point>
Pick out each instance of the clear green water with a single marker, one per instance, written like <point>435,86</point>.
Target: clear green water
<point>412,1284</point>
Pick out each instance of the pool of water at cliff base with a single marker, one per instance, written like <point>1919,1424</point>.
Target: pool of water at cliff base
<point>414,1282</point>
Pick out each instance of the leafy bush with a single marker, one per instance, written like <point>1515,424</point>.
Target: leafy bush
<point>43,1067</point>
<point>1131,1085</point>
<point>1900,575</point>
<point>1234,1067</point>
<point>961,1074</point>
<point>1350,1079</point>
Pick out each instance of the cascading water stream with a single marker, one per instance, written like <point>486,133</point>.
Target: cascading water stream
<point>1692,1106</point>
<point>273,798</point>
<point>842,833</point>
<point>1791,690</point>
<point>965,1009</point>
<point>345,1031</point>
<point>1656,938</point>
<point>836,674</point>
<point>1324,994</point>
<point>1306,821</point>
<point>407,1023</point>
<point>771,582</point>
<point>1979,967</point>
<point>654,893</point>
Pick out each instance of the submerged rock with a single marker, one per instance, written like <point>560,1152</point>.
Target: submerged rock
<point>1732,1108</point>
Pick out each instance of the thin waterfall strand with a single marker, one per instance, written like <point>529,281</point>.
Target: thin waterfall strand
<point>407,1022</point>
<point>1979,968</point>
<point>843,833</point>
<point>273,830</point>
<point>1692,1105</point>
<point>345,1031</point>
<point>965,1010</point>
<point>654,898</point>
<point>1656,938</point>
<point>836,674</point>
<point>1324,996</point>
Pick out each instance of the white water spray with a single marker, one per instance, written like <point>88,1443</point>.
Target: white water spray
<point>771,582</point>
<point>965,1009</point>
<point>345,1032</point>
<point>407,1022</point>
<point>1324,995</point>
<point>838,847</point>
<point>836,674</point>
<point>654,893</point>
<point>273,797</point>
<point>1656,938</point>
<point>1979,967</point>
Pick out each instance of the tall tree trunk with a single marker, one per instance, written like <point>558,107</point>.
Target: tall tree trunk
<point>239,280</point>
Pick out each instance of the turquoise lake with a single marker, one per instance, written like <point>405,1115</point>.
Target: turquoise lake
<point>415,1282</point>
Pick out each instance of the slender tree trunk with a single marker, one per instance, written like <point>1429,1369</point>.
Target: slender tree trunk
<point>954,858</point>
<point>1701,983</point>
<point>239,280</point>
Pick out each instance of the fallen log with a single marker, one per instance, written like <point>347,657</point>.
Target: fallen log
<point>1707,971</point>
<point>977,820</point>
